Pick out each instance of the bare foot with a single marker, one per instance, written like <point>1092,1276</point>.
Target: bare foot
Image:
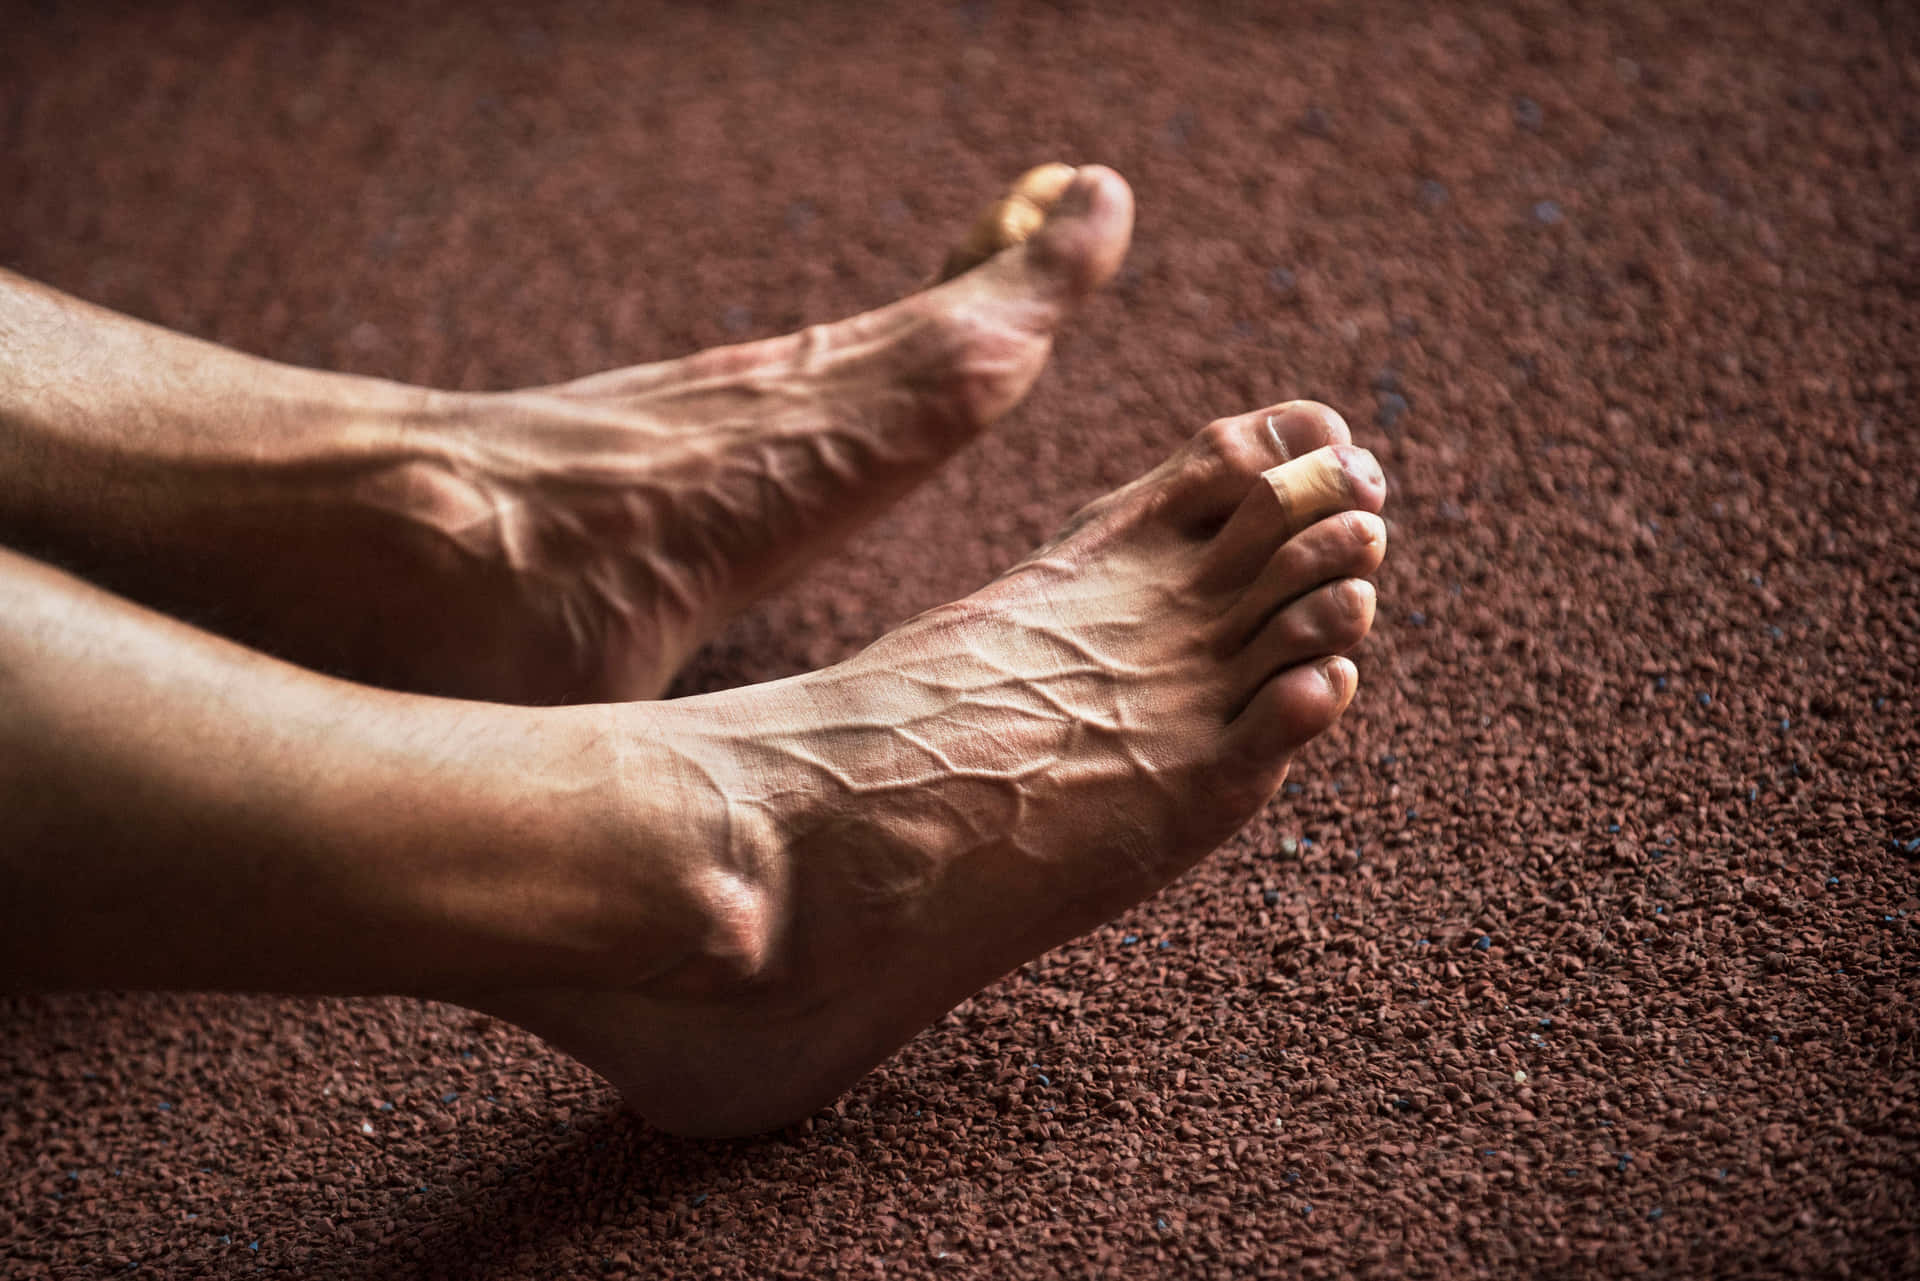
<point>881,839</point>
<point>606,528</point>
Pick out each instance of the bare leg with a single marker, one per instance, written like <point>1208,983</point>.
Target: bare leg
<point>732,905</point>
<point>570,543</point>
<point>177,811</point>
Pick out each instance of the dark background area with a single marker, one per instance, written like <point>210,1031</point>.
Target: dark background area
<point>1624,295</point>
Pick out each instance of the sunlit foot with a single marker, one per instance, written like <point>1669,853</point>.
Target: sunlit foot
<point>610,526</point>
<point>884,837</point>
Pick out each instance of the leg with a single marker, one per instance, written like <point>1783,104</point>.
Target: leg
<point>567,543</point>
<point>176,811</point>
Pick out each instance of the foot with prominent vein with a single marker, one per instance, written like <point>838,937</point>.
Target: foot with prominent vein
<point>613,524</point>
<point>869,844</point>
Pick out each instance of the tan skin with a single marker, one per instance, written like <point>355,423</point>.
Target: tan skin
<point>732,905</point>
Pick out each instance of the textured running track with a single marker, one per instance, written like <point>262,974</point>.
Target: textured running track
<point>1586,946</point>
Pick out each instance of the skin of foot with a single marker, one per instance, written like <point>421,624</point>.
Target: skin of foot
<point>564,544</point>
<point>874,842</point>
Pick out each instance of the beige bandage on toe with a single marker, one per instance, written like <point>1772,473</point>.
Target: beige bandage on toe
<point>1310,488</point>
<point>1011,219</point>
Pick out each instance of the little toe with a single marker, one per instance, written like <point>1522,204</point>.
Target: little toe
<point>1289,711</point>
<point>1288,499</point>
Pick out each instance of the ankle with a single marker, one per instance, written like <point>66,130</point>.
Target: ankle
<point>685,889</point>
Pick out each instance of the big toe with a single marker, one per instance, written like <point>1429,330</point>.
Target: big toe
<point>1075,224</point>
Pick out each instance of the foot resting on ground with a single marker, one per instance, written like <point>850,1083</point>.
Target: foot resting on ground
<point>879,840</point>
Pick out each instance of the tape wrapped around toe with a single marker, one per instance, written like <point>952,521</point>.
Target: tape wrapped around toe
<point>1309,488</point>
<point>1011,219</point>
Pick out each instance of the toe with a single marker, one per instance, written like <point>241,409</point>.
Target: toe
<point>1011,219</point>
<point>1228,454</point>
<point>1351,544</point>
<point>1288,499</point>
<point>1326,621</point>
<point>1085,236</point>
<point>1289,711</point>
<point>1074,223</point>
<point>1300,427</point>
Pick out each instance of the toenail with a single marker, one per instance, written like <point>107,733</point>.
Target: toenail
<point>1279,445</point>
<point>1367,529</point>
<point>1356,595</point>
<point>1362,467</point>
<point>1332,426</point>
<point>1336,425</point>
<point>1334,672</point>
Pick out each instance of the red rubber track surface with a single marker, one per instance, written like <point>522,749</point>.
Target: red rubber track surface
<point>1623,294</point>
